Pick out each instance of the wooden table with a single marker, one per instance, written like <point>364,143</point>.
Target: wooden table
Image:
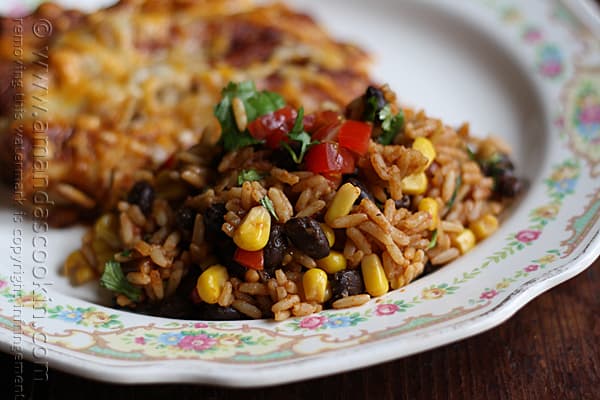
<point>548,350</point>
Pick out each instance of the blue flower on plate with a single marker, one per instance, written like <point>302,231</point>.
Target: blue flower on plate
<point>70,316</point>
<point>339,322</point>
<point>170,339</point>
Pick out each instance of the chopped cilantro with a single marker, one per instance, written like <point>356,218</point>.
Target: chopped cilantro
<point>268,204</point>
<point>391,124</point>
<point>456,188</point>
<point>371,109</point>
<point>471,154</point>
<point>126,253</point>
<point>248,176</point>
<point>256,104</point>
<point>433,240</point>
<point>113,279</point>
<point>297,134</point>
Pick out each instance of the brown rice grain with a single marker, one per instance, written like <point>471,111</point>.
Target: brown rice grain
<point>244,297</point>
<point>312,209</point>
<point>127,230</point>
<point>158,257</point>
<point>246,198</point>
<point>175,278</point>
<point>284,176</point>
<point>255,289</point>
<point>239,112</point>
<point>75,195</point>
<point>445,256</point>
<point>376,232</point>
<point>360,241</point>
<point>251,276</point>
<point>123,300</point>
<point>247,309</point>
<point>172,241</point>
<point>351,301</point>
<point>286,303</point>
<point>282,315</point>
<point>280,277</point>
<point>304,260</point>
<point>136,215</point>
<point>348,221</point>
<point>281,204</point>
<point>138,278</point>
<point>291,287</point>
<point>157,285</point>
<point>281,293</point>
<point>303,309</point>
<point>272,289</point>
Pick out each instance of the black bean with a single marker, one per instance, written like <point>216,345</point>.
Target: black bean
<point>346,283</point>
<point>214,312</point>
<point>404,202</point>
<point>367,106</point>
<point>172,307</point>
<point>282,158</point>
<point>377,94</point>
<point>306,235</point>
<point>429,268</point>
<point>142,194</point>
<point>276,246</point>
<point>185,218</point>
<point>214,217</point>
<point>364,192</point>
<point>508,185</point>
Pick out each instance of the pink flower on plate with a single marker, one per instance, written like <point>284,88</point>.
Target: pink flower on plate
<point>140,340</point>
<point>531,268</point>
<point>386,309</point>
<point>197,343</point>
<point>3,284</point>
<point>490,294</point>
<point>527,236</point>
<point>313,322</point>
<point>200,325</point>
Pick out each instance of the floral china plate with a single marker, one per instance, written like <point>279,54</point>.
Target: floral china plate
<point>526,71</point>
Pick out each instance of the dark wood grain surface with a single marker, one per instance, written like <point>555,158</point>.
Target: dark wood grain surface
<point>549,350</point>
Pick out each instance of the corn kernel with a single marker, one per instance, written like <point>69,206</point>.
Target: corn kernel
<point>253,232</point>
<point>376,282</point>
<point>328,292</point>
<point>484,227</point>
<point>75,261</point>
<point>314,282</point>
<point>464,241</point>
<point>82,275</point>
<point>211,282</point>
<point>333,263</point>
<point>425,147</point>
<point>415,184</point>
<point>342,202</point>
<point>329,234</point>
<point>106,228</point>
<point>432,207</point>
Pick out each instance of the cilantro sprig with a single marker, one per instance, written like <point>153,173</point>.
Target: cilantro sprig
<point>268,204</point>
<point>256,103</point>
<point>113,279</point>
<point>299,135</point>
<point>250,175</point>
<point>390,123</point>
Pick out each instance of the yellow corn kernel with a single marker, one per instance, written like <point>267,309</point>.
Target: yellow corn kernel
<point>106,228</point>
<point>253,232</point>
<point>373,274</point>
<point>484,227</point>
<point>211,282</point>
<point>315,282</point>
<point>329,234</point>
<point>82,275</point>
<point>464,241</point>
<point>75,261</point>
<point>432,207</point>
<point>415,184</point>
<point>425,147</point>
<point>328,292</point>
<point>333,263</point>
<point>342,202</point>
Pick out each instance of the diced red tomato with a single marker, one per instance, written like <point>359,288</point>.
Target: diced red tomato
<point>327,158</point>
<point>327,133</point>
<point>277,124</point>
<point>250,259</point>
<point>355,136</point>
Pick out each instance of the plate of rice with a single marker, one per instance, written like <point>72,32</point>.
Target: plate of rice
<point>290,242</point>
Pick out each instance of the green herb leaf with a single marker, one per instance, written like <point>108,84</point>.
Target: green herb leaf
<point>456,188</point>
<point>297,134</point>
<point>126,253</point>
<point>256,104</point>
<point>371,109</point>
<point>268,204</point>
<point>391,124</point>
<point>471,154</point>
<point>249,176</point>
<point>433,240</point>
<point>113,279</point>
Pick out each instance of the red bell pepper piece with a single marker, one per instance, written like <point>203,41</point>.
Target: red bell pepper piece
<point>250,259</point>
<point>355,136</point>
<point>328,158</point>
<point>274,126</point>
